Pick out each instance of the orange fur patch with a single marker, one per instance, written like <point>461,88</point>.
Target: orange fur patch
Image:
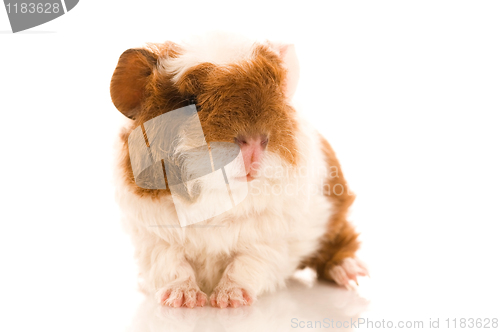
<point>340,240</point>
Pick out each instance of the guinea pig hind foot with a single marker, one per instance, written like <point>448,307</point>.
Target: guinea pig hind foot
<point>348,270</point>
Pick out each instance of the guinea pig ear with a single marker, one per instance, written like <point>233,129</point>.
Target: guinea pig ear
<point>129,80</point>
<point>291,62</point>
<point>191,81</point>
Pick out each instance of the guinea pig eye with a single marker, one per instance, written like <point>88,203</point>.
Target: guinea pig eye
<point>239,141</point>
<point>192,101</point>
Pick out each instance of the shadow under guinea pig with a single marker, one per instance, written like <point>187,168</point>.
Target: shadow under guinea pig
<point>321,304</point>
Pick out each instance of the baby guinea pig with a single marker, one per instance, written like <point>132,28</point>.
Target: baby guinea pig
<point>294,214</point>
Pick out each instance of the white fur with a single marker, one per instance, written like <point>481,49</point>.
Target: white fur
<point>216,48</point>
<point>261,241</point>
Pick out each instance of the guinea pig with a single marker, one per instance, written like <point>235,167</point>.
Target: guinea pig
<point>294,214</point>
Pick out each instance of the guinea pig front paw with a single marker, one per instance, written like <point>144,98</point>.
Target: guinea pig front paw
<point>349,269</point>
<point>228,294</point>
<point>186,294</point>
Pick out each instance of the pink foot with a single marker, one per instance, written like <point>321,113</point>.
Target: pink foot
<point>186,294</point>
<point>349,269</point>
<point>228,294</point>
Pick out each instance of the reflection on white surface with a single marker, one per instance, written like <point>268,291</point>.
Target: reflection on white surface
<point>272,312</point>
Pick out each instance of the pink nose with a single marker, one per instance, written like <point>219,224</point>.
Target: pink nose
<point>252,148</point>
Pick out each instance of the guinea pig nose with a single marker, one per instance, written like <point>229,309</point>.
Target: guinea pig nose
<point>252,150</point>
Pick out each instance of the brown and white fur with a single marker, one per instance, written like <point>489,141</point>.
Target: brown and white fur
<point>243,92</point>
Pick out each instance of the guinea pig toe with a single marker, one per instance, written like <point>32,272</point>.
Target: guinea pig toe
<point>339,275</point>
<point>201,299</point>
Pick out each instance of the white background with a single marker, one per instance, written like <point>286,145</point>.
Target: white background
<point>406,92</point>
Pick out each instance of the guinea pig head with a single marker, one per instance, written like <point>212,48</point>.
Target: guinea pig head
<point>244,101</point>
<point>248,102</point>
